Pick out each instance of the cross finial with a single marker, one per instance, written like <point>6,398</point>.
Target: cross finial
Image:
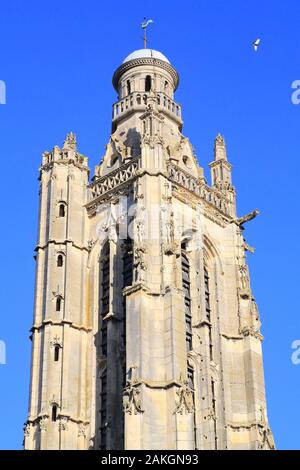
<point>144,26</point>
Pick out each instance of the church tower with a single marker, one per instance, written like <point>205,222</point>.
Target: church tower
<point>146,333</point>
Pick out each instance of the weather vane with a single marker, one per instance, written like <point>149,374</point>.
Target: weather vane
<point>144,26</point>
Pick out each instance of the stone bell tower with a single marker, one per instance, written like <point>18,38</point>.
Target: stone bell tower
<point>146,333</point>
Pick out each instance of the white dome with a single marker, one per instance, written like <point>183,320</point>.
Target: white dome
<point>142,53</point>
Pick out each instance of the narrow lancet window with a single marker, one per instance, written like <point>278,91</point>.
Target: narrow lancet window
<point>60,261</point>
<point>185,267</point>
<point>105,298</point>
<point>58,304</point>
<point>208,310</point>
<point>148,83</point>
<point>62,211</point>
<point>56,353</point>
<point>54,413</point>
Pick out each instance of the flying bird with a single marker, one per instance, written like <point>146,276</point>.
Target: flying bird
<point>146,23</point>
<point>256,44</point>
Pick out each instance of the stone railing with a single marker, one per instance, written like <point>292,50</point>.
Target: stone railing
<point>201,189</point>
<point>102,185</point>
<point>114,179</point>
<point>138,101</point>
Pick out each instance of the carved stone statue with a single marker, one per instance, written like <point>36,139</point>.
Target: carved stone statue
<point>185,401</point>
<point>139,262</point>
<point>132,399</point>
<point>266,440</point>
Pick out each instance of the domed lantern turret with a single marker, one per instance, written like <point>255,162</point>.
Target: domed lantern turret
<point>145,72</point>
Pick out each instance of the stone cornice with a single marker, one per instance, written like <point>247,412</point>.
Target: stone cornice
<point>135,288</point>
<point>140,286</point>
<point>33,421</point>
<point>238,426</point>
<point>223,161</point>
<point>145,61</point>
<point>39,326</point>
<point>157,384</point>
<point>64,161</point>
<point>244,335</point>
<point>202,323</point>
<point>232,337</point>
<point>55,242</point>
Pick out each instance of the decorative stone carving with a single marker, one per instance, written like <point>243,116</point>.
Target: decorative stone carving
<point>244,280</point>
<point>138,191</point>
<point>255,315</point>
<point>82,430</point>
<point>70,141</point>
<point>185,401</point>
<point>63,423</point>
<point>110,226</point>
<point>56,294</point>
<point>152,141</point>
<point>212,196</point>
<point>147,61</point>
<point>54,401</point>
<point>139,230</point>
<point>247,218</point>
<point>118,146</point>
<point>211,415</point>
<point>132,399</point>
<point>91,243</point>
<point>168,223</point>
<point>43,422</point>
<point>121,175</point>
<point>248,247</point>
<point>168,226</point>
<point>139,223</point>
<point>251,331</point>
<point>266,440</point>
<point>27,429</point>
<point>139,262</point>
<point>56,341</point>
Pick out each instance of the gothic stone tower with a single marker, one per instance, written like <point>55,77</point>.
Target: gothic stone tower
<point>146,334</point>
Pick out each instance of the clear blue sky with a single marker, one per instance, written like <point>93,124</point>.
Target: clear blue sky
<point>57,59</point>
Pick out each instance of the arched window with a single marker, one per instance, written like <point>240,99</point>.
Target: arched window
<point>54,413</point>
<point>191,382</point>
<point>148,83</point>
<point>104,310</point>
<point>186,284</point>
<point>145,99</point>
<point>58,304</point>
<point>62,211</point>
<point>208,310</point>
<point>166,87</point>
<point>128,85</point>
<point>60,261</point>
<point>138,99</point>
<point>127,263</point>
<point>56,352</point>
